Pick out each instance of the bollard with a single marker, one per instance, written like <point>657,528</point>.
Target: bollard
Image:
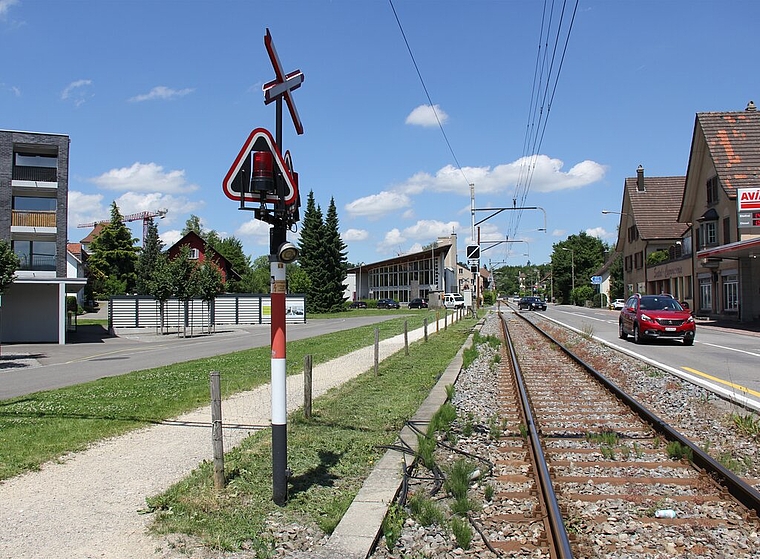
<point>307,392</point>
<point>406,338</point>
<point>377,351</point>
<point>424,328</point>
<point>216,430</point>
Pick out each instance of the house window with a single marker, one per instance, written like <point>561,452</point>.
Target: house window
<point>195,254</point>
<point>32,204</point>
<point>628,263</point>
<point>35,167</point>
<point>35,255</point>
<point>731,293</point>
<point>707,234</point>
<point>633,233</point>
<point>705,294</point>
<point>712,190</point>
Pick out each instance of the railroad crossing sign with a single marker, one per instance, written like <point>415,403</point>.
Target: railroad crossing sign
<point>243,171</point>
<point>283,84</point>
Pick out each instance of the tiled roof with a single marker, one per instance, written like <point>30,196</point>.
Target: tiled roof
<point>94,233</point>
<point>734,143</point>
<point>656,209</point>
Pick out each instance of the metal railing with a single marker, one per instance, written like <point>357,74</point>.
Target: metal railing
<point>38,174</point>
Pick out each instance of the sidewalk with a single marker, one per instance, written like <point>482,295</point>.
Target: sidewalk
<point>87,504</point>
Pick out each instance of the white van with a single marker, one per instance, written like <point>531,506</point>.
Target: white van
<point>453,301</point>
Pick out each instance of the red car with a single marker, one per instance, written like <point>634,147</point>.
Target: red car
<point>656,316</point>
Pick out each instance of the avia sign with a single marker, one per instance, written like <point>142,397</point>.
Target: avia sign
<point>748,206</point>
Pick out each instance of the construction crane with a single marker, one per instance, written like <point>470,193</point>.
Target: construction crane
<point>140,216</point>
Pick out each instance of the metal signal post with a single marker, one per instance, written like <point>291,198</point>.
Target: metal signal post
<point>263,176</point>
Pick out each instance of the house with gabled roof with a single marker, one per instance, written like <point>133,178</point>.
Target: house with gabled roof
<point>722,203</point>
<point>648,224</point>
<point>201,251</point>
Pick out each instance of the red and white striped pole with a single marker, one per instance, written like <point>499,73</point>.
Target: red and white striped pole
<point>279,372</point>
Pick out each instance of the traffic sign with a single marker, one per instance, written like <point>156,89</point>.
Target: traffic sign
<point>238,178</point>
<point>596,280</point>
<point>283,83</point>
<point>473,252</point>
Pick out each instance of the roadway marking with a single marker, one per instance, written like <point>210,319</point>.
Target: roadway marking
<point>732,349</point>
<point>721,381</point>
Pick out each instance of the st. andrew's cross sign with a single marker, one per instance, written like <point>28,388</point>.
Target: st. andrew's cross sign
<point>283,84</point>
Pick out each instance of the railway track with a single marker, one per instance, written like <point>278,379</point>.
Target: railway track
<point>626,484</point>
<point>567,468</point>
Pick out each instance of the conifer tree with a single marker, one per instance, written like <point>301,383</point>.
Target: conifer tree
<point>146,262</point>
<point>113,258</point>
<point>335,262</point>
<point>311,258</point>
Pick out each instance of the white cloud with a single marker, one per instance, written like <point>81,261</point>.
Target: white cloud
<point>170,237</point>
<point>256,230</point>
<point>161,92</point>
<point>559,233</point>
<point>77,91</point>
<point>178,206</point>
<point>144,177</point>
<point>542,173</point>
<point>355,235</point>
<point>5,6</point>
<point>85,208</point>
<point>423,232</point>
<point>600,233</point>
<point>377,205</point>
<point>425,115</point>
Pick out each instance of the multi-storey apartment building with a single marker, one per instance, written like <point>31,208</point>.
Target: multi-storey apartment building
<point>34,171</point>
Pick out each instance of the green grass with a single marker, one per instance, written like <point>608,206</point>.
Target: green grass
<point>330,455</point>
<point>44,426</point>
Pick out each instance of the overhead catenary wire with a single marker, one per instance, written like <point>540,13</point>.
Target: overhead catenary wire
<point>427,94</point>
<point>542,98</point>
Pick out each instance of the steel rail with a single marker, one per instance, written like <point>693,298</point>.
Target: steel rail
<point>560,537</point>
<point>737,487</point>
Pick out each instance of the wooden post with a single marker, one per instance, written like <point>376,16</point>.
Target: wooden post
<point>307,368</point>
<point>216,430</point>
<point>424,327</point>
<point>445,320</point>
<point>437,318</point>
<point>406,338</point>
<point>377,351</point>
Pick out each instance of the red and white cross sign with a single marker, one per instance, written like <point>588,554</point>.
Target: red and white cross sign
<point>283,83</point>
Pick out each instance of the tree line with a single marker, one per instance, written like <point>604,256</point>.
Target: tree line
<point>116,266</point>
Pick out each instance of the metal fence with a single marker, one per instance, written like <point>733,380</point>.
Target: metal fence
<point>139,311</point>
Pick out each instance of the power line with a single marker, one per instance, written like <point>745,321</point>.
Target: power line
<point>427,94</point>
<point>538,113</point>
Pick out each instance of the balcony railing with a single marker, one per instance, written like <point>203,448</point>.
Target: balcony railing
<point>23,218</point>
<point>39,263</point>
<point>38,174</point>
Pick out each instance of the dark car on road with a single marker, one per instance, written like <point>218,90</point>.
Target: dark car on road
<point>358,305</point>
<point>387,304</point>
<point>649,317</point>
<point>531,304</point>
<point>418,304</point>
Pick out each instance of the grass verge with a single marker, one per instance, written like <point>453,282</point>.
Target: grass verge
<point>44,426</point>
<point>330,455</point>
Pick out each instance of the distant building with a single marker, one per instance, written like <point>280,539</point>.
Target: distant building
<point>34,172</point>
<point>424,274</point>
<point>200,251</point>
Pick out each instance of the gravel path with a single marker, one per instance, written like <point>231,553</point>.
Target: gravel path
<point>87,505</point>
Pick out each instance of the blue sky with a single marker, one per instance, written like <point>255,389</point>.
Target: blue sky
<point>159,96</point>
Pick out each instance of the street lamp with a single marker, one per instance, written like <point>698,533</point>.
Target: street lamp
<point>572,266</point>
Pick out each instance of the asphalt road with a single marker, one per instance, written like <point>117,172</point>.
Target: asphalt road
<point>93,354</point>
<point>727,357</point>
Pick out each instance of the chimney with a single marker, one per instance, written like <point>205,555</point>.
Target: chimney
<point>640,179</point>
<point>751,107</point>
